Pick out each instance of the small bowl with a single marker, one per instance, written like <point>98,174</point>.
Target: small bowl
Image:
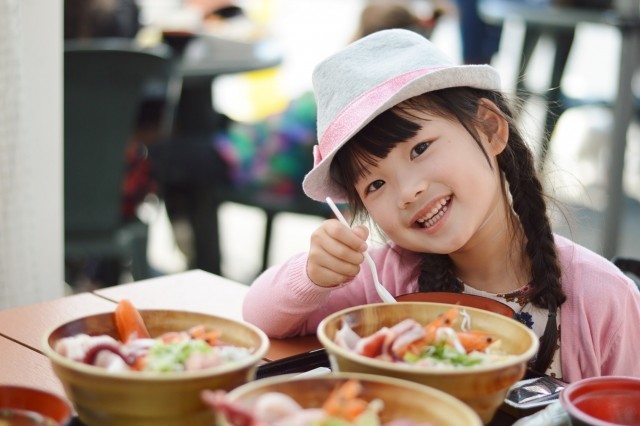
<point>33,407</point>
<point>103,398</point>
<point>603,401</point>
<point>483,388</point>
<point>463,299</point>
<point>402,399</point>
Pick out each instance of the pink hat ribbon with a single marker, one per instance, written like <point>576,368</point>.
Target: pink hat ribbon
<point>360,109</point>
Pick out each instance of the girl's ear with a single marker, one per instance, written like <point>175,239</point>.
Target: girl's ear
<point>494,126</point>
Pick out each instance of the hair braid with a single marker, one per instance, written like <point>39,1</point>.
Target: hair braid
<point>436,274</point>
<point>517,164</point>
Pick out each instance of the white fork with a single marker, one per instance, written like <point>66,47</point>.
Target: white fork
<point>382,291</point>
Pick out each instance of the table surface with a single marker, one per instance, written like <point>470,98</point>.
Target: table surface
<point>551,16</point>
<point>22,329</point>
<point>208,55</point>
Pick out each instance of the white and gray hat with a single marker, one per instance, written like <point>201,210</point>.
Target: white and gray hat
<point>368,77</point>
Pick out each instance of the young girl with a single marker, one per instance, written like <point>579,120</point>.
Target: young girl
<point>429,152</point>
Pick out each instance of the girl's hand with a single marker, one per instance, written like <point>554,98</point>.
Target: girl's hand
<point>335,253</point>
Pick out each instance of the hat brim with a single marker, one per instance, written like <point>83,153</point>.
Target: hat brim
<point>317,184</point>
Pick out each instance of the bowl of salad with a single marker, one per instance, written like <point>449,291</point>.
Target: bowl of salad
<point>340,399</point>
<point>148,367</point>
<point>470,353</point>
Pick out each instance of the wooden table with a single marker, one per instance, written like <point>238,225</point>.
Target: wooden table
<point>22,366</point>
<point>22,329</point>
<point>29,324</point>
<point>201,291</point>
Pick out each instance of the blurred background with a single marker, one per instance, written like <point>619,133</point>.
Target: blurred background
<point>290,37</point>
<point>575,174</point>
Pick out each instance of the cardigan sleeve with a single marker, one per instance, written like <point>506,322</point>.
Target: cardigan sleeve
<point>599,320</point>
<point>620,355</point>
<point>284,302</point>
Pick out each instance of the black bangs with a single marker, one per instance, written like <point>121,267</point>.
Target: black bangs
<point>371,144</point>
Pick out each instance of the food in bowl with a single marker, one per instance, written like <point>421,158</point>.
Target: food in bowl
<point>126,398</point>
<point>134,349</point>
<point>436,344</point>
<point>343,399</point>
<point>483,387</point>
<point>26,406</point>
<point>603,401</point>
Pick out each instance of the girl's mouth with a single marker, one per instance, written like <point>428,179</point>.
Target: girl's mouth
<point>436,213</point>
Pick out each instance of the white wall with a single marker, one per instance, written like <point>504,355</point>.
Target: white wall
<point>31,221</point>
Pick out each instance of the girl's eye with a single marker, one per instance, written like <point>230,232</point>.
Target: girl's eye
<point>374,186</point>
<point>419,149</point>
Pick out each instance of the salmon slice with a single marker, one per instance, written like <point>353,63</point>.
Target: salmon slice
<point>129,322</point>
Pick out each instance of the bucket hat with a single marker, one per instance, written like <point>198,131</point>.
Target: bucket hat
<point>368,77</point>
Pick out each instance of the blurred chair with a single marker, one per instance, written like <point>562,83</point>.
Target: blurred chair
<point>104,81</point>
<point>556,21</point>
<point>273,205</point>
<point>630,267</point>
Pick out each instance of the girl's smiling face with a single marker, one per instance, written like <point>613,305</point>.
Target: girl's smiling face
<point>436,192</point>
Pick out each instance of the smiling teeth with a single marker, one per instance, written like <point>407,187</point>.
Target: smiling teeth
<point>435,214</point>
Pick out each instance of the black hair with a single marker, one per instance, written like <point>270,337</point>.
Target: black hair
<point>516,163</point>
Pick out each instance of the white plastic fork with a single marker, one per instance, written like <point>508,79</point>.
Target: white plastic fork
<point>382,291</point>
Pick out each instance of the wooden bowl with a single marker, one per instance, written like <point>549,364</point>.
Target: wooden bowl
<point>130,398</point>
<point>402,399</point>
<point>32,407</point>
<point>483,388</point>
<point>603,401</point>
<point>463,299</point>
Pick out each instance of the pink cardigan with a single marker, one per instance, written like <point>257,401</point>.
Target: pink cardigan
<point>599,321</point>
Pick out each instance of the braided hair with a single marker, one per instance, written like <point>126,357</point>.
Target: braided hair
<point>516,163</point>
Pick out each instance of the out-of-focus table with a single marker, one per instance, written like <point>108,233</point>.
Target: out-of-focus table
<point>28,325</point>
<point>22,366</point>
<point>201,291</point>
<point>625,17</point>
<point>22,329</point>
<point>206,57</point>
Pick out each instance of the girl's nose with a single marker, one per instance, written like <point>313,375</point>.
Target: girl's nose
<point>410,189</point>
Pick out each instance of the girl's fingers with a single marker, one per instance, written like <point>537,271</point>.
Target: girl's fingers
<point>335,254</point>
<point>327,277</point>
<point>355,238</point>
<point>361,231</point>
<point>337,244</point>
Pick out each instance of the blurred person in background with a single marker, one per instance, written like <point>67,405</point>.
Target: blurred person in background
<point>272,155</point>
<point>480,40</point>
<point>86,19</point>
